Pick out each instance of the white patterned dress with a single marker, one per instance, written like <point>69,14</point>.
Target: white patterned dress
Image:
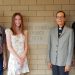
<point>18,45</point>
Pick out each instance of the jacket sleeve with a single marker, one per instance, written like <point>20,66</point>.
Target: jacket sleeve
<point>70,48</point>
<point>49,48</point>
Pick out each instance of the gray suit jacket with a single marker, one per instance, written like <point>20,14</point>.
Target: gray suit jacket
<point>61,49</point>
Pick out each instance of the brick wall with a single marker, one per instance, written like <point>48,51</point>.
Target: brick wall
<point>39,16</point>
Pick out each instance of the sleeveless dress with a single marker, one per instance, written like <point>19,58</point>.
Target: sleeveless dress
<point>18,45</point>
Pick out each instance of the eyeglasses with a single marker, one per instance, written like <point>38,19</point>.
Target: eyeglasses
<point>60,17</point>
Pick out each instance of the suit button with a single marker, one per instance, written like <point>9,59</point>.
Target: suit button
<point>56,45</point>
<point>56,51</point>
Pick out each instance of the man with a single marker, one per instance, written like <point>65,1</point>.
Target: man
<point>2,50</point>
<point>60,46</point>
<point>73,26</point>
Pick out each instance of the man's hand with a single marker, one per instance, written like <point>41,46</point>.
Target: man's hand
<point>49,66</point>
<point>67,68</point>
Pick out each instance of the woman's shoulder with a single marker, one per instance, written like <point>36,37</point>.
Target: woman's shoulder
<point>8,30</point>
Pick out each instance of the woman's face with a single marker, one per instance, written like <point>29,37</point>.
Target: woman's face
<point>17,20</point>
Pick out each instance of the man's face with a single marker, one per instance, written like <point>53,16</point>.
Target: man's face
<point>60,19</point>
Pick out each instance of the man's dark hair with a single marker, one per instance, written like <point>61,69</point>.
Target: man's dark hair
<point>60,12</point>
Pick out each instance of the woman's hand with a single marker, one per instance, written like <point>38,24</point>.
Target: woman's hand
<point>23,56</point>
<point>4,64</point>
<point>20,60</point>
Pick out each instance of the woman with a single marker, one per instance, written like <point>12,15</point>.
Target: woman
<point>16,39</point>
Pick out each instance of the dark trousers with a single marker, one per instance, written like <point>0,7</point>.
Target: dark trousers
<point>59,70</point>
<point>1,64</point>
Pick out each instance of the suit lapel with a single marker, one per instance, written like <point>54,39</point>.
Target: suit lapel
<point>56,32</point>
<point>64,30</point>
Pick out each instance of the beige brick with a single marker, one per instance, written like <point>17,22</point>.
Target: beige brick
<point>53,7</point>
<point>41,72</point>
<point>33,62</point>
<point>72,13</point>
<point>34,27</point>
<point>42,57</point>
<point>72,1</point>
<point>24,13</point>
<point>1,2</point>
<point>38,40</point>
<point>1,24</point>
<point>35,32</point>
<point>37,72</point>
<point>7,25</point>
<point>5,8</point>
<point>48,72</point>
<point>69,23</point>
<point>34,72</point>
<point>28,2</point>
<point>11,2</point>
<point>67,13</point>
<point>39,26</point>
<point>20,8</point>
<point>50,19</point>
<point>41,67</point>
<point>1,13</point>
<point>9,13</point>
<point>34,47</point>
<point>36,19</point>
<point>33,67</point>
<point>29,13</point>
<point>33,57</point>
<point>44,1</point>
<point>44,13</point>
<point>38,51</point>
<point>61,1</point>
<point>5,19</point>
<point>33,52</point>
<point>37,7</point>
<point>71,18</point>
<point>25,19</point>
<point>41,62</point>
<point>72,71</point>
<point>68,7</point>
